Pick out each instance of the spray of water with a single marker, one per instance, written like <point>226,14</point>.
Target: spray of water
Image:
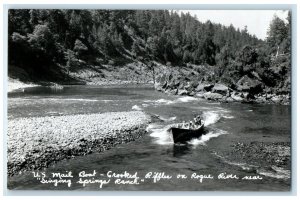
<point>211,117</point>
<point>136,107</point>
<point>206,137</point>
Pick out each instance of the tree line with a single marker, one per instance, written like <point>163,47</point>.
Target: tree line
<point>44,40</point>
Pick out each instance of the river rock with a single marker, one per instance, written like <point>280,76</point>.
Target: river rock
<point>276,99</point>
<point>236,96</point>
<point>193,84</point>
<point>172,91</point>
<point>164,79</point>
<point>200,94</point>
<point>247,84</point>
<point>68,136</point>
<point>212,96</point>
<point>200,87</point>
<point>174,83</point>
<point>182,84</point>
<point>208,87</point>
<point>230,99</point>
<point>220,88</point>
<point>158,86</point>
<point>192,93</point>
<point>182,92</point>
<point>204,87</point>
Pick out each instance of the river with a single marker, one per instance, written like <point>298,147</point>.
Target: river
<point>226,124</point>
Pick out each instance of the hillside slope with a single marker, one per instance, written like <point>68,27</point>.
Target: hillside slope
<point>138,46</point>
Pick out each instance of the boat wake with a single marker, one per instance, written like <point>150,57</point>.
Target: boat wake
<point>168,102</point>
<point>167,119</point>
<point>206,137</point>
<point>161,134</point>
<point>212,117</point>
<point>164,137</point>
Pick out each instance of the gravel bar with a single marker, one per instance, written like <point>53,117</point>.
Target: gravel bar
<point>34,143</point>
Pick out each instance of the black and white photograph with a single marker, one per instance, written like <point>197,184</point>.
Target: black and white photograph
<point>149,100</point>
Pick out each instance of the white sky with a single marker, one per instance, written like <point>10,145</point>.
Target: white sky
<point>257,21</point>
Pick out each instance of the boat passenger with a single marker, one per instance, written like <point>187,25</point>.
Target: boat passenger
<point>191,125</point>
<point>186,125</point>
<point>198,120</point>
<point>183,124</point>
<point>195,121</point>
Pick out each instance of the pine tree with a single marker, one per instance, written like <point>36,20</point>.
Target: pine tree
<point>276,34</point>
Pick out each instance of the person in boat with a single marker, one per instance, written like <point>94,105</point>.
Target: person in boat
<point>181,125</point>
<point>191,125</point>
<point>197,122</point>
<point>185,125</point>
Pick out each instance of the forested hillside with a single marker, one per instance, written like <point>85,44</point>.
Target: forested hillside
<point>55,44</point>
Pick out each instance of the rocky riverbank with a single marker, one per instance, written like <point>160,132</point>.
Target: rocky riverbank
<point>35,143</point>
<point>266,158</point>
<point>247,90</point>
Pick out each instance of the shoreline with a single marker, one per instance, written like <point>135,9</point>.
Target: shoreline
<point>223,94</point>
<point>15,84</point>
<point>190,81</point>
<point>36,143</point>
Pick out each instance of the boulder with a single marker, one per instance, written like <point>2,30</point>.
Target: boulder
<point>172,91</point>
<point>165,84</point>
<point>158,87</point>
<point>174,83</point>
<point>202,87</point>
<point>200,94</point>
<point>208,87</point>
<point>194,84</point>
<point>261,99</point>
<point>220,88</point>
<point>190,86</point>
<point>164,79</point>
<point>277,99</point>
<point>224,99</point>
<point>236,96</point>
<point>246,84</point>
<point>192,93</point>
<point>182,92</point>
<point>229,99</point>
<point>212,96</point>
<point>286,100</point>
<point>269,96</point>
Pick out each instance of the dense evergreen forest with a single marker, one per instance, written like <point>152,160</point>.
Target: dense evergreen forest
<point>49,44</point>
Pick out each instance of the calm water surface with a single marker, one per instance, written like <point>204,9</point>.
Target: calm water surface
<point>226,124</point>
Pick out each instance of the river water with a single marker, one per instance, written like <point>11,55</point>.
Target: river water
<point>226,124</point>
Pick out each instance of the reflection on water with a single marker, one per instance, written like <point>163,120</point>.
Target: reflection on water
<point>225,124</point>
<point>180,150</point>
